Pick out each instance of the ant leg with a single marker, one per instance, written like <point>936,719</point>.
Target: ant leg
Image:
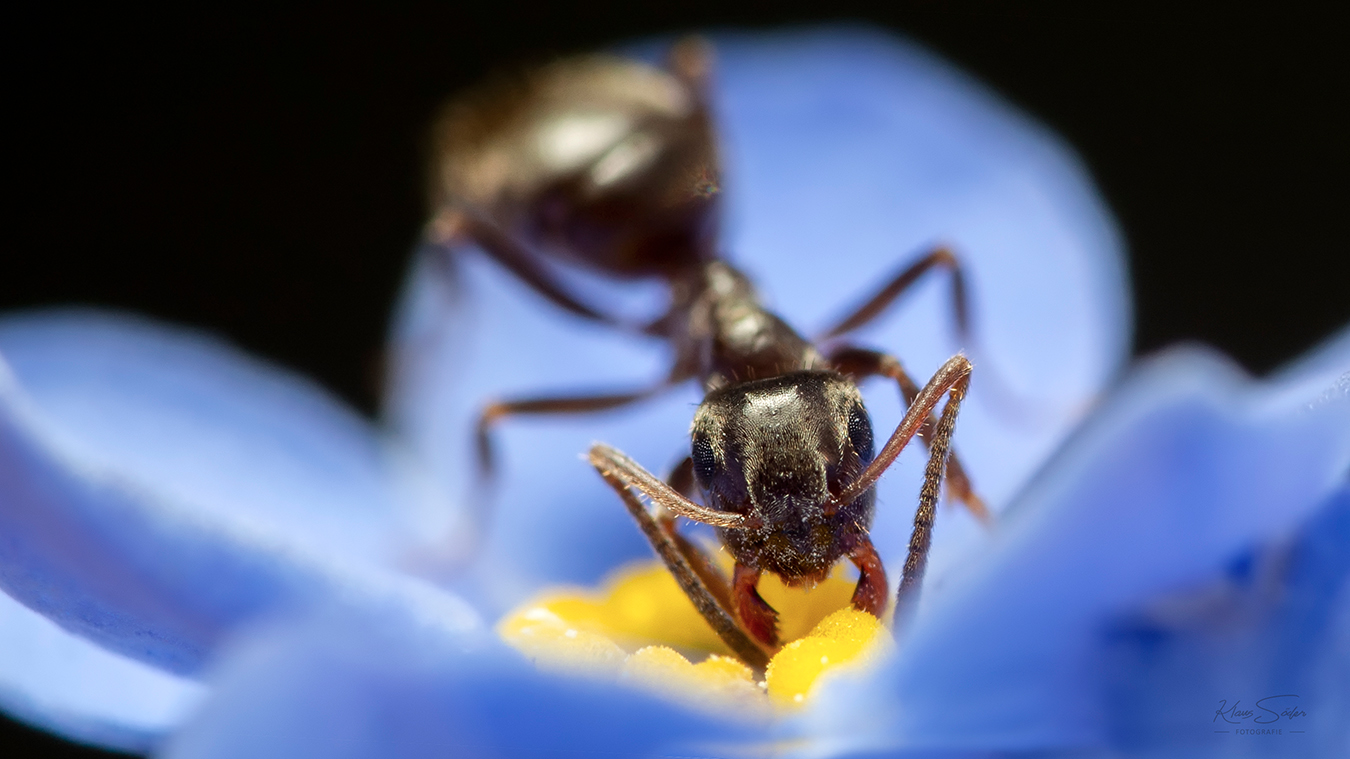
<point>952,380</point>
<point>478,520</point>
<point>681,480</point>
<point>690,59</point>
<point>907,597</point>
<point>499,410</point>
<point>607,462</point>
<point>758,617</point>
<point>1005,399</point>
<point>452,226</point>
<point>953,377</point>
<point>870,595</point>
<point>469,534</point>
<point>873,307</point>
<point>860,363</point>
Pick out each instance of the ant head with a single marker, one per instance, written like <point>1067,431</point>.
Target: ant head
<point>782,448</point>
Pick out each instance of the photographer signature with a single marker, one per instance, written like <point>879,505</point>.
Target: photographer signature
<point>1269,709</point>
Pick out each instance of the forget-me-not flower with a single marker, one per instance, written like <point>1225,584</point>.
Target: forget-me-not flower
<point>207,555</point>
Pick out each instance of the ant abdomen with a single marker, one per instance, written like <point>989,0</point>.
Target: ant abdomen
<point>600,161</point>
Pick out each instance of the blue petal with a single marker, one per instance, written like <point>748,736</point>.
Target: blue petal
<point>155,498</point>
<point>362,687</point>
<point>199,423</point>
<point>1187,466</point>
<point>848,153</point>
<point>1272,639</point>
<point>65,684</point>
<point>141,574</point>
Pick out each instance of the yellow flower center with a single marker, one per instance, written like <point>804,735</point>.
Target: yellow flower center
<point>640,628</point>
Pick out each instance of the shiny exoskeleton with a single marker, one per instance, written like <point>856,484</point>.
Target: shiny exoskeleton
<point>598,161</point>
<point>611,165</point>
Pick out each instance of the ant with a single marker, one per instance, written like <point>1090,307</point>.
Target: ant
<point>611,165</point>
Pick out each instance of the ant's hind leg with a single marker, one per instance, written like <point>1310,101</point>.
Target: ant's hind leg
<point>940,257</point>
<point>1005,399</point>
<point>454,226</point>
<point>860,363</point>
<point>718,616</point>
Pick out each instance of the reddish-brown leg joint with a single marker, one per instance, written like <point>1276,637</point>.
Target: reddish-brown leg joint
<point>756,615</point>
<point>872,592</point>
<point>862,362</point>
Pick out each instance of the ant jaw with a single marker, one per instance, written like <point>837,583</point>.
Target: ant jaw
<point>807,581</point>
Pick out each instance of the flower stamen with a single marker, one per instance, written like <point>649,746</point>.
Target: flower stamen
<point>641,629</point>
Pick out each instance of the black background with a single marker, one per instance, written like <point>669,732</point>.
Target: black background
<point>261,176</point>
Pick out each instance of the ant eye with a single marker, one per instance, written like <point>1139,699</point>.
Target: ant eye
<point>860,432</point>
<point>705,462</point>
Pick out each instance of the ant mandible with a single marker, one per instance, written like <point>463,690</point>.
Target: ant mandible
<point>611,165</point>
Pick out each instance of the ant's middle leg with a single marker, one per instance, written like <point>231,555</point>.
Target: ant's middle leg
<point>499,410</point>
<point>940,257</point>
<point>862,362</point>
<point>681,478</point>
<point>478,520</point>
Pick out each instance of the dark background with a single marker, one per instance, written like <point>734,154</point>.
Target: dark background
<point>261,176</point>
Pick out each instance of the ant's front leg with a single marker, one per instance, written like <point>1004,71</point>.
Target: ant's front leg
<point>862,362</point>
<point>952,380</point>
<point>628,478</point>
<point>681,480</point>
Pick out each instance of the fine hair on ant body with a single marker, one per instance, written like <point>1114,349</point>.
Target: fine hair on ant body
<point>611,165</point>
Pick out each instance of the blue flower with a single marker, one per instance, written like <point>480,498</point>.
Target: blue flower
<point>208,555</point>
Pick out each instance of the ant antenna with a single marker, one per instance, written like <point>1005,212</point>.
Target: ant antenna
<point>611,461</point>
<point>954,376</point>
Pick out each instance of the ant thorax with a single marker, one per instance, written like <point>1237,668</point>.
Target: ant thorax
<point>725,334</point>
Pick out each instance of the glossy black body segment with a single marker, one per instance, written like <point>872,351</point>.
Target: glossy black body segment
<point>777,450</point>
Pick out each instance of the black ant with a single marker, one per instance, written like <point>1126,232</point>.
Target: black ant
<point>611,165</point>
